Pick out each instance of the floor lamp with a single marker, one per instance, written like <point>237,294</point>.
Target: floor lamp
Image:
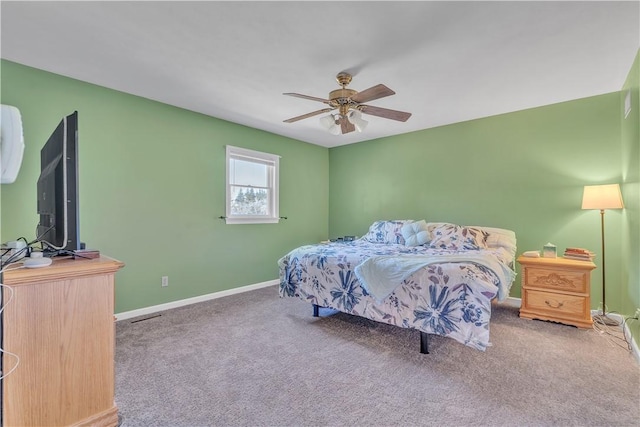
<point>603,197</point>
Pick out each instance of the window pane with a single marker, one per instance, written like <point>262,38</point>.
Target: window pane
<point>252,187</point>
<point>248,173</point>
<point>249,200</point>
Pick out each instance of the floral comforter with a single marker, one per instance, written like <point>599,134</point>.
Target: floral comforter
<point>451,299</point>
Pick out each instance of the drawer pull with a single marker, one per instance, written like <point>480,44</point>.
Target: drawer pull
<point>558,304</point>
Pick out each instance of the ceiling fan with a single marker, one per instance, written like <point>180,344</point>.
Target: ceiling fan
<point>350,106</point>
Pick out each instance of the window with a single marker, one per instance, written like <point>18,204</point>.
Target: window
<point>252,186</point>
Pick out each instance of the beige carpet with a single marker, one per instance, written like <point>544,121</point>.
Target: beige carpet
<point>255,359</point>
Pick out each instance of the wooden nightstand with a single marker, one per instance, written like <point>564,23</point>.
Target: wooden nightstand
<point>556,289</point>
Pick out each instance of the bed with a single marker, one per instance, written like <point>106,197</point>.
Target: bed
<point>438,278</point>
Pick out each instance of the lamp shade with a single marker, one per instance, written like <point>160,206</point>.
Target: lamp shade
<point>602,197</point>
<point>328,121</point>
<point>335,129</point>
<point>332,123</point>
<point>355,117</point>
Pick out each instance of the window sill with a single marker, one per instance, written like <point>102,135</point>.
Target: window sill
<point>252,220</point>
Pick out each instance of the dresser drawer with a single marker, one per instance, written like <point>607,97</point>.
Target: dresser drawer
<point>556,305</point>
<point>557,280</point>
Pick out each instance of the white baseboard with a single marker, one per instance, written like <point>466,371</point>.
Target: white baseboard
<point>181,303</point>
<point>512,302</point>
<point>517,302</point>
<point>634,346</point>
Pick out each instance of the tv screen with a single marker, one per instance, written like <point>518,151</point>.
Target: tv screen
<point>58,227</point>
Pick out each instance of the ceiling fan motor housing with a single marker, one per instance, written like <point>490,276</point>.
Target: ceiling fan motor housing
<point>341,96</point>
<point>343,79</point>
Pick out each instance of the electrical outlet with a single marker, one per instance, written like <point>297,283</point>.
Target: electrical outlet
<point>165,281</point>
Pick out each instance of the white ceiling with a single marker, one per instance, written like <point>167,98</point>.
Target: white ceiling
<point>447,61</point>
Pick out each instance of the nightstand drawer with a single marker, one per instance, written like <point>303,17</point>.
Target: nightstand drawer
<point>556,289</point>
<point>555,304</point>
<point>557,280</point>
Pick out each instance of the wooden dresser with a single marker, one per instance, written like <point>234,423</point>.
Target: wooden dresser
<point>556,289</point>
<point>60,322</point>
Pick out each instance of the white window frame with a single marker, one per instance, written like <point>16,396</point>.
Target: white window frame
<point>273,162</point>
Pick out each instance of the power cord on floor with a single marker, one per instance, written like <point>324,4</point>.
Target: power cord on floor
<point>624,324</point>
<point>4,352</point>
<point>615,334</point>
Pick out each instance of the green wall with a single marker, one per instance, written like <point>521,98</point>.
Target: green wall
<point>152,186</point>
<point>630,283</point>
<point>523,171</point>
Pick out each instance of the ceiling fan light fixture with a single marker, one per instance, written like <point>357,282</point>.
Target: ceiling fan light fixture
<point>331,123</point>
<point>355,117</point>
<point>327,121</point>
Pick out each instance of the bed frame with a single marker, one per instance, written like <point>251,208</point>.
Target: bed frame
<point>424,337</point>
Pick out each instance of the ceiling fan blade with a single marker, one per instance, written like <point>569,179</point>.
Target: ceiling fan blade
<point>375,92</point>
<point>304,116</point>
<point>400,116</point>
<point>346,125</point>
<point>312,98</point>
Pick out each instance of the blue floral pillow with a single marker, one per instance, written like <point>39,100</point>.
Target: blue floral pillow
<point>457,237</point>
<point>387,232</point>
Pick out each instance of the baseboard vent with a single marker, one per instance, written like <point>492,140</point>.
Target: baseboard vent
<point>146,318</point>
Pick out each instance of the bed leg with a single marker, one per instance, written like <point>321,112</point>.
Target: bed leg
<point>316,310</point>
<point>424,343</point>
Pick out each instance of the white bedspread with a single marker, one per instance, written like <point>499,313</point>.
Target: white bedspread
<point>447,298</point>
<point>381,275</point>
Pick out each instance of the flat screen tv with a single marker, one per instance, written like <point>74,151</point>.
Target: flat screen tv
<point>58,228</point>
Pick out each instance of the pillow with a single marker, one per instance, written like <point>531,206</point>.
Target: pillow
<point>457,237</point>
<point>415,233</point>
<point>497,237</point>
<point>431,226</point>
<point>387,231</point>
<point>500,238</point>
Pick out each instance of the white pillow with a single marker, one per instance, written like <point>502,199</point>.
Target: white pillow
<point>416,233</point>
<point>501,238</point>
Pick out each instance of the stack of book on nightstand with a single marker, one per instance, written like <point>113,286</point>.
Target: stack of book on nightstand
<point>579,254</point>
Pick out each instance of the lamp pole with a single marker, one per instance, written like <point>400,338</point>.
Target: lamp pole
<point>603,319</point>
<point>604,305</point>
<point>603,197</point>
